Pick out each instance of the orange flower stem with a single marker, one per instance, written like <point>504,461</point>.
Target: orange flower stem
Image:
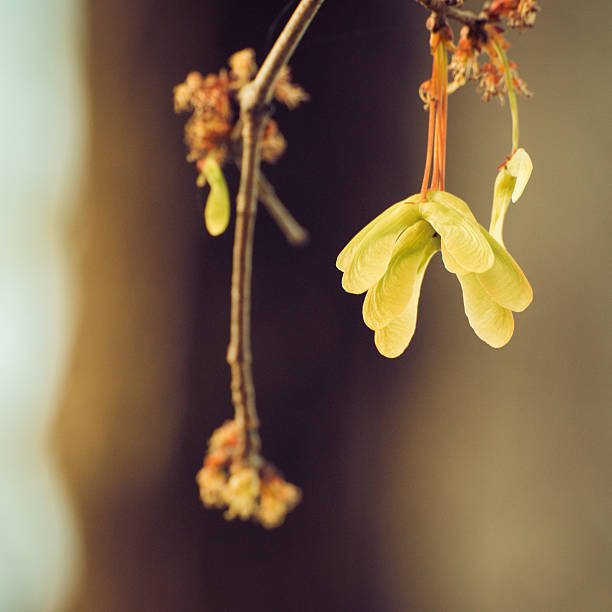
<point>440,138</point>
<point>435,78</point>
<point>430,129</point>
<point>443,114</point>
<point>438,112</point>
<point>438,178</point>
<point>435,174</point>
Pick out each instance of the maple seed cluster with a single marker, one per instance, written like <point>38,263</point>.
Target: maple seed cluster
<point>252,489</point>
<point>388,258</point>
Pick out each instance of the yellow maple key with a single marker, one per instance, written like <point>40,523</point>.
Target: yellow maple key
<point>509,186</point>
<point>217,210</point>
<point>389,256</point>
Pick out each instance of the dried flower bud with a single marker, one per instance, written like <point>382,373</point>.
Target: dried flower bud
<point>517,13</point>
<point>491,82</point>
<point>278,497</point>
<point>213,102</point>
<point>226,436</point>
<point>273,143</point>
<point>183,93</point>
<point>464,61</point>
<point>241,494</point>
<point>520,86</point>
<point>287,92</point>
<point>243,67</point>
<point>212,482</point>
<point>425,93</point>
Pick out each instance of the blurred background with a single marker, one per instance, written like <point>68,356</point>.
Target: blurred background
<point>456,477</point>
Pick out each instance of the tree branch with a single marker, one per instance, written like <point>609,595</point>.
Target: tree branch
<point>266,194</point>
<point>450,9</point>
<point>294,232</point>
<point>254,100</point>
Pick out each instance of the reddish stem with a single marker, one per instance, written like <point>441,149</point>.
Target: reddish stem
<point>437,169</point>
<point>443,118</point>
<point>431,130</point>
<point>438,113</point>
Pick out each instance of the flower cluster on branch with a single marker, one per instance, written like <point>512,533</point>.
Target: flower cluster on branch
<point>465,63</point>
<point>213,135</point>
<point>249,488</point>
<point>230,120</point>
<point>516,13</point>
<point>479,38</point>
<point>213,103</point>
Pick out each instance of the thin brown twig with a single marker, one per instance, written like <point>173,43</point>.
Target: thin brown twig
<point>449,8</point>
<point>266,194</point>
<point>254,99</point>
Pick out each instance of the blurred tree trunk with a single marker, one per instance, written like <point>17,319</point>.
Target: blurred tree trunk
<point>129,387</point>
<point>149,381</point>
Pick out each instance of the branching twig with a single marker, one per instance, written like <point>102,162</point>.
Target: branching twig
<point>266,194</point>
<point>254,111</point>
<point>449,8</point>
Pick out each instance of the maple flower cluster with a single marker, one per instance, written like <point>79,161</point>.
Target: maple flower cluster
<point>484,39</point>
<point>465,65</point>
<point>213,103</point>
<point>249,490</point>
<point>517,13</point>
<point>212,132</point>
